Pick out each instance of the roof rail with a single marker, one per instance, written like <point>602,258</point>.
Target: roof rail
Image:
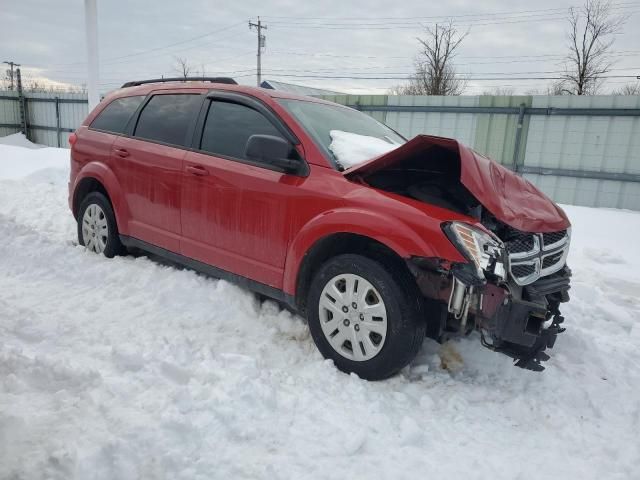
<point>227,80</point>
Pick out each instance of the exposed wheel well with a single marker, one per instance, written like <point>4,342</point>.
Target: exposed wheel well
<point>338,244</point>
<point>84,188</point>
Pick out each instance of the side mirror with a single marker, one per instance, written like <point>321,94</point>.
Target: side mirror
<point>272,150</point>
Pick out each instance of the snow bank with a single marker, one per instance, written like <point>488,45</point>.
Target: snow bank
<point>127,368</point>
<point>18,140</point>
<point>19,161</point>
<point>352,149</point>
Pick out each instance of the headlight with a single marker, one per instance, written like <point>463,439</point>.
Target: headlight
<point>480,248</point>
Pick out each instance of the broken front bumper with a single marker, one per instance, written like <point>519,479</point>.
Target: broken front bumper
<point>520,321</point>
<point>527,321</point>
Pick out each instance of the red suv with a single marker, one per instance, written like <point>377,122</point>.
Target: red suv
<point>429,238</point>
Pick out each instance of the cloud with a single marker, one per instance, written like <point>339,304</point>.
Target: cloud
<point>141,39</point>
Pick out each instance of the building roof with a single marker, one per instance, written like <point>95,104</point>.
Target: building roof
<point>297,89</point>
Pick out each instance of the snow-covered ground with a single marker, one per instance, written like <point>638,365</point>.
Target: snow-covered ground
<point>19,140</point>
<point>125,368</point>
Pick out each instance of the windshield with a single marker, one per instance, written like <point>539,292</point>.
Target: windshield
<point>343,132</point>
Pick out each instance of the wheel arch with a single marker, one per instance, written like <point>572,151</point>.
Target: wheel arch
<point>84,188</point>
<point>98,177</point>
<point>339,243</point>
<point>349,228</point>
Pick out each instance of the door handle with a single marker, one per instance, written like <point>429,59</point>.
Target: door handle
<point>121,152</point>
<point>196,170</point>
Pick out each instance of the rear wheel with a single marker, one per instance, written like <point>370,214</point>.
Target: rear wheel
<point>97,229</point>
<point>366,319</point>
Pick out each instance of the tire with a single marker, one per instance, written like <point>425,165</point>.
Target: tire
<point>392,293</point>
<point>97,228</point>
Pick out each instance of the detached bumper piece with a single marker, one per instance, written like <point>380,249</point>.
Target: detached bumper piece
<point>519,321</point>
<point>519,331</point>
<point>527,321</point>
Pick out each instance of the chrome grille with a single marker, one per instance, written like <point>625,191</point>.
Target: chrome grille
<point>522,242</point>
<point>535,255</point>
<point>551,260</point>
<point>553,237</point>
<point>523,270</point>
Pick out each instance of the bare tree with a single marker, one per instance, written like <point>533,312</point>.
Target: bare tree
<point>629,89</point>
<point>591,34</point>
<point>557,88</point>
<point>397,90</point>
<point>182,67</point>
<point>435,73</point>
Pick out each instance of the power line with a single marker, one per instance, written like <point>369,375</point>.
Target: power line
<point>128,70</point>
<point>348,77</point>
<point>276,71</point>
<point>404,57</point>
<point>161,54</point>
<point>413,23</point>
<point>208,34</point>
<point>352,71</point>
<point>373,23</point>
<point>356,74</point>
<point>416,25</point>
<point>408,26</point>
<point>164,47</point>
<point>505,13</point>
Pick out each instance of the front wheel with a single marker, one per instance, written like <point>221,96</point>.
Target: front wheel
<point>366,319</point>
<point>97,228</point>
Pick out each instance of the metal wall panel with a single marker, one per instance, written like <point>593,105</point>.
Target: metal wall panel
<point>600,144</point>
<point>43,113</point>
<point>9,113</point>
<point>609,144</point>
<point>461,126</point>
<point>495,134</point>
<point>581,143</point>
<point>361,100</point>
<point>589,192</point>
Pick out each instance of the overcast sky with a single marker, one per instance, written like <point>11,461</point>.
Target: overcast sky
<point>329,38</point>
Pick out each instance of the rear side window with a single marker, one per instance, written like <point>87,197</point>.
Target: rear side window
<point>229,126</point>
<point>115,116</point>
<point>166,118</point>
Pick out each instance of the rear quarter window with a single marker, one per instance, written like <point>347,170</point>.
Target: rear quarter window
<point>115,116</point>
<point>167,117</point>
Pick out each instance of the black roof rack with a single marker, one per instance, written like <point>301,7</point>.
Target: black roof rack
<point>227,80</point>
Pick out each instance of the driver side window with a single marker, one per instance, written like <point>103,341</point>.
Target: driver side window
<point>228,127</point>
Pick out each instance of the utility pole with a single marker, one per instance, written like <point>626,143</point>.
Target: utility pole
<point>261,43</point>
<point>22,104</point>
<point>11,64</point>
<point>91,32</point>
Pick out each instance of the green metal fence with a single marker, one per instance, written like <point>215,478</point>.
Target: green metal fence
<point>579,150</point>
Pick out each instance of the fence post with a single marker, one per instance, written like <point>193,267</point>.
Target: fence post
<point>58,120</point>
<point>22,106</point>
<point>516,147</point>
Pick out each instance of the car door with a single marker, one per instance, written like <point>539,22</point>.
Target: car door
<point>235,211</point>
<point>150,164</point>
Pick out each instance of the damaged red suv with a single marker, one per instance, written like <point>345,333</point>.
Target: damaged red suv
<point>376,240</point>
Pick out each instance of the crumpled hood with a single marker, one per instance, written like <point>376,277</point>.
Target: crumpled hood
<point>510,198</point>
